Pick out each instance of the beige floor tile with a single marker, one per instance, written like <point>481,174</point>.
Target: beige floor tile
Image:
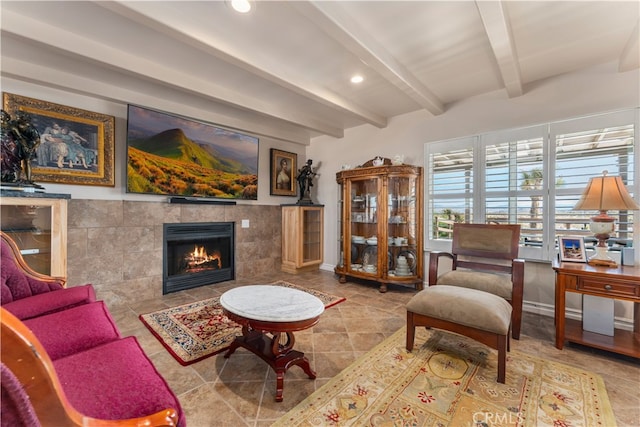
<point>240,391</point>
<point>328,365</point>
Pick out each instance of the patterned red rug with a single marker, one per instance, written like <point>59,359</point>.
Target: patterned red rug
<point>192,332</point>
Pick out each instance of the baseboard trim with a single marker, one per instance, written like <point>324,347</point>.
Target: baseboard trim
<point>540,308</point>
<point>327,267</point>
<point>571,313</point>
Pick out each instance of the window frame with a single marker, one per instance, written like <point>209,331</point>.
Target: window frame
<point>548,132</point>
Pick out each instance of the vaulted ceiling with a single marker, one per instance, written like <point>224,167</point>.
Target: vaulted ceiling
<point>283,69</point>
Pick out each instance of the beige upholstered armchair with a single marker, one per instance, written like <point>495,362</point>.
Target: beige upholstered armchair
<point>485,257</point>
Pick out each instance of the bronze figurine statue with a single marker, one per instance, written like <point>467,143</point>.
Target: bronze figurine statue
<point>20,139</point>
<point>9,162</point>
<point>305,182</point>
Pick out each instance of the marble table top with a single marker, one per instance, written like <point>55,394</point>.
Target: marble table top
<point>271,303</point>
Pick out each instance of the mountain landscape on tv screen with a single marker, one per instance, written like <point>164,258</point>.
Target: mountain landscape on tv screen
<point>170,163</point>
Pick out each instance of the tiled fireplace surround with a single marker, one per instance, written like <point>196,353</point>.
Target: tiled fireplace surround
<point>117,245</point>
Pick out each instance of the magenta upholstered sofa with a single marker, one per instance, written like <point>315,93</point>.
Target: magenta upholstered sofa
<point>64,361</point>
<point>27,293</point>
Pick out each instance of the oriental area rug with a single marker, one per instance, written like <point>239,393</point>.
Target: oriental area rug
<point>194,331</point>
<point>450,380</point>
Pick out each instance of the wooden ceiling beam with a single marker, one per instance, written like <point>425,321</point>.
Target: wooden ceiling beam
<point>349,33</point>
<point>630,57</point>
<point>60,40</point>
<point>307,89</point>
<point>498,30</point>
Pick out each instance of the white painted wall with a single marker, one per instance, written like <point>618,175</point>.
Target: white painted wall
<point>596,90</point>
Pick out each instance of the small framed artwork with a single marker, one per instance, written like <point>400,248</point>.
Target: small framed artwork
<point>572,249</point>
<point>283,165</point>
<point>76,146</point>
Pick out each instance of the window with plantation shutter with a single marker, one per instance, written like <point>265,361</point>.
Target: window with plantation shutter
<point>579,156</point>
<point>451,185</point>
<point>533,177</point>
<point>515,184</point>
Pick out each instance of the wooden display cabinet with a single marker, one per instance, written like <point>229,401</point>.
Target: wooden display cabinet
<point>37,222</point>
<point>380,224</point>
<point>302,237</point>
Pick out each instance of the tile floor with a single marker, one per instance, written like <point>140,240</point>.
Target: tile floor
<point>240,391</point>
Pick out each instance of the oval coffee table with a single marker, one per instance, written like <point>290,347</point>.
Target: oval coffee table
<point>274,310</point>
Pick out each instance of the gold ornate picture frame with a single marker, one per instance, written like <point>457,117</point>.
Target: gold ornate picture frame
<point>283,171</point>
<point>76,146</point>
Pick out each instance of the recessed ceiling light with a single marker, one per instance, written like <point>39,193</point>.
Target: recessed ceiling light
<point>242,6</point>
<point>357,79</point>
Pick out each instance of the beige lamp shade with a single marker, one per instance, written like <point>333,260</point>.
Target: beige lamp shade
<point>602,194</point>
<point>605,193</point>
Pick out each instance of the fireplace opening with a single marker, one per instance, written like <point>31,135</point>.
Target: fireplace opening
<point>197,254</point>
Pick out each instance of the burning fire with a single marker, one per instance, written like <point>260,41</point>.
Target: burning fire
<point>199,257</point>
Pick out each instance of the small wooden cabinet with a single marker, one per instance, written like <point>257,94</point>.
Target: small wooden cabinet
<point>37,222</point>
<point>380,224</point>
<point>621,283</point>
<point>302,237</point>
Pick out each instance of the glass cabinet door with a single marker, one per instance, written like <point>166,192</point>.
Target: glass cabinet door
<point>341,212</point>
<point>380,224</point>
<point>363,225</point>
<point>30,227</point>
<point>302,238</point>
<point>312,235</point>
<point>402,231</point>
<point>38,225</point>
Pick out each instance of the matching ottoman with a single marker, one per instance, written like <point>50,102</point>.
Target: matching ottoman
<point>478,315</point>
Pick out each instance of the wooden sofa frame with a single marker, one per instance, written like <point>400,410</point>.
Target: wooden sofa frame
<point>27,359</point>
<point>26,269</point>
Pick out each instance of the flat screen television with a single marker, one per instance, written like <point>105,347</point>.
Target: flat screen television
<point>177,156</point>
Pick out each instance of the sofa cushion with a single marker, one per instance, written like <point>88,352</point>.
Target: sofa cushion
<point>463,306</point>
<point>50,302</point>
<point>115,381</point>
<point>74,330</point>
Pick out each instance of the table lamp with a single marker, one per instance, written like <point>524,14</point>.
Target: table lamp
<point>604,193</point>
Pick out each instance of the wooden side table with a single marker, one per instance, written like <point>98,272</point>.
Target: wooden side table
<point>269,315</point>
<point>621,283</point>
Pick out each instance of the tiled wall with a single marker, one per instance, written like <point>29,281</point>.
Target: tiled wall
<point>117,245</point>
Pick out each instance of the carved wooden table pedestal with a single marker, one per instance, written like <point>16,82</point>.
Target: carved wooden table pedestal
<point>269,316</point>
